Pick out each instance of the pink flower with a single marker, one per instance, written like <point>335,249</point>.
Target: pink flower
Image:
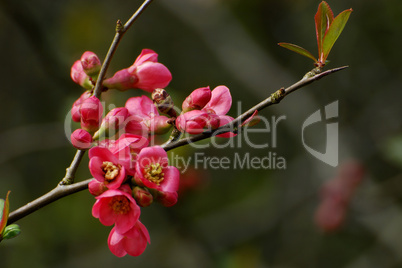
<point>126,149</point>
<point>133,242</point>
<point>146,73</point>
<point>91,113</point>
<point>79,76</point>
<point>106,168</point>
<point>81,139</point>
<point>330,215</point>
<point>211,116</point>
<point>336,195</point>
<point>152,170</point>
<point>91,64</point>
<point>144,117</point>
<point>116,207</point>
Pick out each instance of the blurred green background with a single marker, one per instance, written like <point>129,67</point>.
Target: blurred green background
<point>234,217</point>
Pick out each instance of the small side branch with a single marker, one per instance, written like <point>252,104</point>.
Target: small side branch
<point>120,31</point>
<point>273,99</point>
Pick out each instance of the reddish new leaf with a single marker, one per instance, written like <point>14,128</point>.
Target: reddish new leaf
<point>4,210</point>
<point>298,49</point>
<point>323,19</point>
<point>333,33</point>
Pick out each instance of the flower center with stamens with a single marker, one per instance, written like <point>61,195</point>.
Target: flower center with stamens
<point>111,170</point>
<point>120,204</point>
<point>154,173</point>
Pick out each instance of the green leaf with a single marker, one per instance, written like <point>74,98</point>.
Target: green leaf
<point>323,19</point>
<point>4,207</point>
<point>335,29</point>
<point>11,231</point>
<point>298,49</point>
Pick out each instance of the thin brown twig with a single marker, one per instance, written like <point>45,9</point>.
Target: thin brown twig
<point>46,199</point>
<point>306,80</point>
<point>120,31</point>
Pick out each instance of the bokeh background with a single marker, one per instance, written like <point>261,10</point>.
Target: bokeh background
<point>226,217</point>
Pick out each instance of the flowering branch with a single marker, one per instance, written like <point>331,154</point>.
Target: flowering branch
<point>67,185</point>
<point>120,30</point>
<point>63,190</point>
<point>129,172</point>
<point>309,78</point>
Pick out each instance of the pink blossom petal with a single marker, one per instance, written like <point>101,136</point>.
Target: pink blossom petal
<point>125,222</point>
<point>152,75</point>
<point>171,180</point>
<point>115,245</point>
<point>121,80</point>
<point>96,209</point>
<point>221,100</point>
<point>155,154</point>
<point>197,99</point>
<point>136,240</point>
<point>168,199</point>
<point>141,106</point>
<point>106,215</point>
<point>95,164</point>
<point>103,153</point>
<point>146,55</point>
<point>192,122</point>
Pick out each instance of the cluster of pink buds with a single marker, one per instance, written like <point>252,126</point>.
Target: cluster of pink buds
<point>336,195</point>
<point>128,172</point>
<point>204,110</point>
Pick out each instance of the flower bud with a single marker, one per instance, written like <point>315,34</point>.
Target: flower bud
<point>192,122</point>
<point>11,231</point>
<point>96,187</point>
<point>79,76</point>
<point>163,102</point>
<point>91,113</point>
<point>113,122</point>
<point>145,73</point>
<point>75,110</point>
<point>142,196</point>
<point>197,99</point>
<point>122,80</point>
<point>81,139</point>
<point>91,64</point>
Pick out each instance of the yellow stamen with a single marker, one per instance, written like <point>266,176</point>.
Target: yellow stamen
<point>120,204</point>
<point>111,170</point>
<point>154,173</point>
